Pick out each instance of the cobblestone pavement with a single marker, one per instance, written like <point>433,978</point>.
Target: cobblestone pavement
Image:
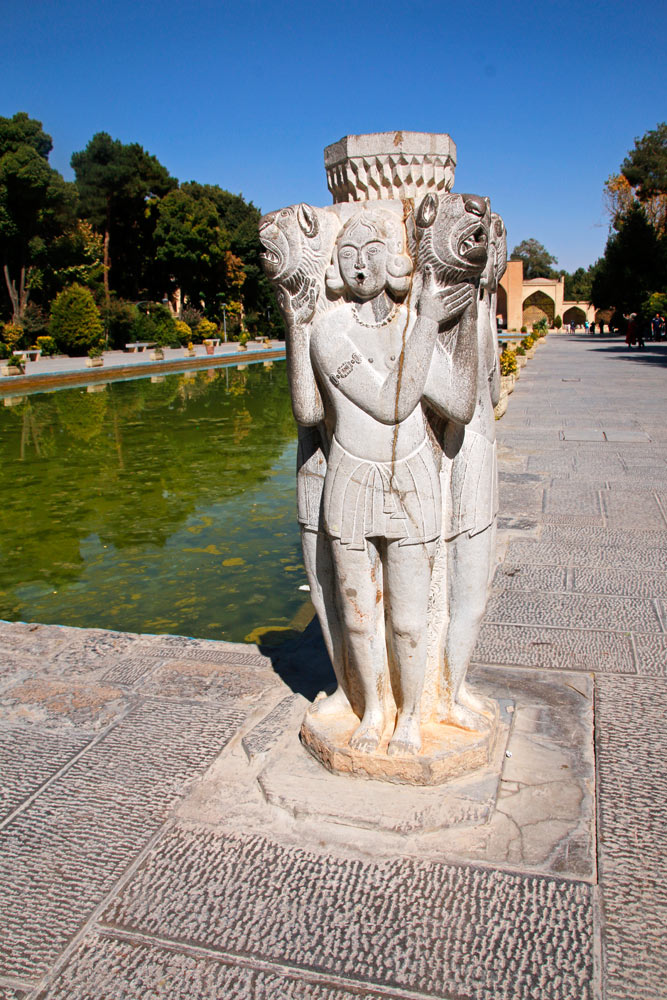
<point>140,858</point>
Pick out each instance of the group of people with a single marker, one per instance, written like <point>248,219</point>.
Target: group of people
<point>640,330</point>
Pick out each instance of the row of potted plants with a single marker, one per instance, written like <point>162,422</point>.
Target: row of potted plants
<point>513,358</point>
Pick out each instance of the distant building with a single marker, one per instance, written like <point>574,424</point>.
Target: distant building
<point>524,302</point>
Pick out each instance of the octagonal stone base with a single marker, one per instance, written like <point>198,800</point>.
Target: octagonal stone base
<point>448,752</point>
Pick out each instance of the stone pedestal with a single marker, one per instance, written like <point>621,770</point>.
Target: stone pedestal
<point>447,752</point>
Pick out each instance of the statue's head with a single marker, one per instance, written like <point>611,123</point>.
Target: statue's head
<point>285,235</point>
<point>370,256</point>
<point>453,232</point>
<point>499,241</point>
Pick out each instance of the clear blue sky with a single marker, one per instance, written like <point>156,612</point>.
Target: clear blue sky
<point>542,99</point>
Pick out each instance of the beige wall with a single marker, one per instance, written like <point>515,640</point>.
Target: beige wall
<point>512,282</point>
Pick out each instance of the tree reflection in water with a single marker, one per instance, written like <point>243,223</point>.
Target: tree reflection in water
<point>153,506</point>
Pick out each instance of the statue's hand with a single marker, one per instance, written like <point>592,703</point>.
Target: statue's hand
<point>443,304</point>
<point>298,309</point>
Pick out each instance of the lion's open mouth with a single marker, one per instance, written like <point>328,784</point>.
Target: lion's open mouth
<point>473,247</point>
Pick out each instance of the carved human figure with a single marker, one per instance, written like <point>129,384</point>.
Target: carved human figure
<point>298,242</point>
<point>381,505</point>
<point>470,527</point>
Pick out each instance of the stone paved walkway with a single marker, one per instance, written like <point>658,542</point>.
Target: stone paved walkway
<point>141,859</point>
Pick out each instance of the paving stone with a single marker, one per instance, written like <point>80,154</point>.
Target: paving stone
<point>430,929</point>
<point>545,552</point>
<point>131,669</point>
<point>266,733</point>
<point>61,855</point>
<point>651,654</point>
<point>520,498</point>
<point>204,652</point>
<point>516,523</point>
<point>572,498</point>
<point>519,477</point>
<point>631,739</point>
<point>606,537</point>
<point>619,582</point>
<point>8,993</point>
<point>582,434</point>
<point>107,967</point>
<point>574,520</point>
<point>632,507</point>
<point>554,648</point>
<point>192,678</point>
<point>58,705</point>
<point>541,578</point>
<point>28,759</point>
<point>625,435</point>
<point>581,611</point>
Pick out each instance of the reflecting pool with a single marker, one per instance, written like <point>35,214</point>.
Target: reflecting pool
<point>162,505</point>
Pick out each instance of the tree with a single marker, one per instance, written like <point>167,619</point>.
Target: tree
<point>191,242</point>
<point>75,322</point>
<point>645,166</point>
<point>634,264</point>
<point>118,187</point>
<point>537,261</point>
<point>579,284</point>
<point>36,204</point>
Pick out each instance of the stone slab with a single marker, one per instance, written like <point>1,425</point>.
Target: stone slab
<point>266,734</point>
<point>555,648</point>
<point>298,783</point>
<point>575,611</point>
<point>108,967</point>
<point>582,434</point>
<point>633,834</point>
<point>530,578</point>
<point>482,934</point>
<point>64,852</point>
<point>650,655</point>
<point>625,436</point>
<point>29,758</point>
<point>623,583</point>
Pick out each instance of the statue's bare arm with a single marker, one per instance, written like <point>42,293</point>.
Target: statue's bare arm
<point>389,399</point>
<point>451,385</point>
<point>307,403</point>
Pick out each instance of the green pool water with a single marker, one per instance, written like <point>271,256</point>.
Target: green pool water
<point>154,506</point>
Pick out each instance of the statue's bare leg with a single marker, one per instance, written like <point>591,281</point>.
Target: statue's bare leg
<point>469,564</point>
<point>359,584</point>
<point>407,584</point>
<point>318,563</point>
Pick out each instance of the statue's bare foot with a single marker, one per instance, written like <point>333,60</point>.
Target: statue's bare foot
<point>367,735</point>
<point>463,717</point>
<point>476,702</point>
<point>334,704</point>
<point>407,736</point>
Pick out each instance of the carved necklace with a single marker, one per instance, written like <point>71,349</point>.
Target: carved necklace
<point>374,326</point>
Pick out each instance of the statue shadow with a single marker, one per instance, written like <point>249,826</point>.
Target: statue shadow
<point>302,662</point>
<point>654,353</point>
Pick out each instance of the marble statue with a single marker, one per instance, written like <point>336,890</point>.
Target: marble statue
<point>389,301</point>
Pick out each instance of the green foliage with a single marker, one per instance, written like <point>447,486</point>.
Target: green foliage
<point>520,350</point>
<point>558,322</point>
<point>633,267</point>
<point>119,318</point>
<point>645,166</point>
<point>656,303</point>
<point>13,335</point>
<point>540,329</point>
<point>4,350</point>
<point>508,365</point>
<point>47,346</point>
<point>119,187</point>
<point>537,261</point>
<point>207,329</point>
<point>524,329</point>
<point>183,332</point>
<point>154,322</point>
<point>35,320</point>
<point>75,321</point>
<point>96,351</point>
<point>36,204</point>
<point>527,343</point>
<point>16,361</point>
<point>579,284</point>
<point>192,317</point>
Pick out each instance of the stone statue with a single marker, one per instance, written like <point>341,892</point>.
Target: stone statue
<point>387,301</point>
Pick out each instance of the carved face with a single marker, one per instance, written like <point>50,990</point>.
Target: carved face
<point>454,234</point>
<point>362,259</point>
<point>282,235</point>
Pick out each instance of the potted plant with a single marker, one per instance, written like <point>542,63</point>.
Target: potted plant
<point>157,354</point>
<point>210,346</point>
<point>521,358</point>
<point>95,357</point>
<point>190,350</point>
<point>15,365</point>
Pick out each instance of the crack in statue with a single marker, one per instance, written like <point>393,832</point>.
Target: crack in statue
<point>391,359</point>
